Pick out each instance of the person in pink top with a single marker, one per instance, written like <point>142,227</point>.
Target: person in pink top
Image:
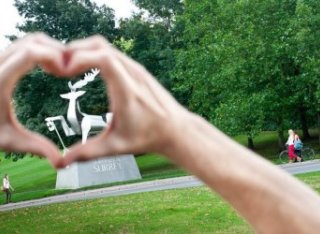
<point>290,143</point>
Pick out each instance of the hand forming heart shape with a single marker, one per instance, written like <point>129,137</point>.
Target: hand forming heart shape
<point>144,113</point>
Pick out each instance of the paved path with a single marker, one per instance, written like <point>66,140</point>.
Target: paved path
<point>299,168</point>
<point>156,185</point>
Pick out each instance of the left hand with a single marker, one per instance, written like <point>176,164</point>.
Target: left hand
<point>18,59</point>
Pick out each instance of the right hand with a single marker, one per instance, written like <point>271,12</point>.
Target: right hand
<point>145,115</point>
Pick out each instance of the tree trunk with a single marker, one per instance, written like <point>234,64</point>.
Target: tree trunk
<point>304,124</point>
<point>281,139</point>
<point>319,126</point>
<point>250,143</point>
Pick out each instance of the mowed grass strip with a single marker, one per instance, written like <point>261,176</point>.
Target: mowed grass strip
<point>312,179</point>
<point>193,210</point>
<point>33,177</point>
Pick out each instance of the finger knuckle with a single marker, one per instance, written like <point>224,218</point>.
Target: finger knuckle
<point>38,36</point>
<point>106,57</point>
<point>6,144</point>
<point>100,40</point>
<point>28,50</point>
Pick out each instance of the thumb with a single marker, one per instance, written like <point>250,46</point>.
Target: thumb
<point>105,144</point>
<point>22,140</point>
<point>41,146</point>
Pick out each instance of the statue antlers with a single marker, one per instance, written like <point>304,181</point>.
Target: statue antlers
<point>88,77</point>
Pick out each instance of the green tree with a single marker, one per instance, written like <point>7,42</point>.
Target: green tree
<point>153,37</point>
<point>194,84</point>
<point>242,47</point>
<point>163,10</point>
<point>67,20</point>
<point>307,48</point>
<point>241,115</point>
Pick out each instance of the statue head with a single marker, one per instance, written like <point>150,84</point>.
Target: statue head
<point>73,95</point>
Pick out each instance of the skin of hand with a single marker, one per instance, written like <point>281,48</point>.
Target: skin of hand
<point>18,59</point>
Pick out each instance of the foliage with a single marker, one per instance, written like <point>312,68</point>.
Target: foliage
<point>124,45</point>
<point>244,50</point>
<point>66,20</point>
<point>151,46</point>
<point>154,37</point>
<point>15,156</point>
<point>307,51</point>
<point>241,114</point>
<point>163,10</point>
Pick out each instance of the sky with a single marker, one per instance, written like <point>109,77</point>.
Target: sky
<point>9,16</point>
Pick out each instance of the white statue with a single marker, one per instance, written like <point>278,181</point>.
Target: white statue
<point>80,123</point>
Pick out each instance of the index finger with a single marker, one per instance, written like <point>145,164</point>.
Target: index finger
<point>36,38</point>
<point>96,52</point>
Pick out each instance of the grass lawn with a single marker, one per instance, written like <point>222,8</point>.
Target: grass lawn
<point>192,210</point>
<point>34,178</point>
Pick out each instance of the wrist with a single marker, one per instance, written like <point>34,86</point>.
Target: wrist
<point>184,135</point>
<point>176,132</point>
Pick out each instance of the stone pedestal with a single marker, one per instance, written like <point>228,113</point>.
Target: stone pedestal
<point>102,171</point>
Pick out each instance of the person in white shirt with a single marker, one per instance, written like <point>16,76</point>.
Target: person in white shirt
<point>6,188</point>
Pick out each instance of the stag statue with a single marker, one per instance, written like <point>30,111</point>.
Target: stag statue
<point>79,123</point>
